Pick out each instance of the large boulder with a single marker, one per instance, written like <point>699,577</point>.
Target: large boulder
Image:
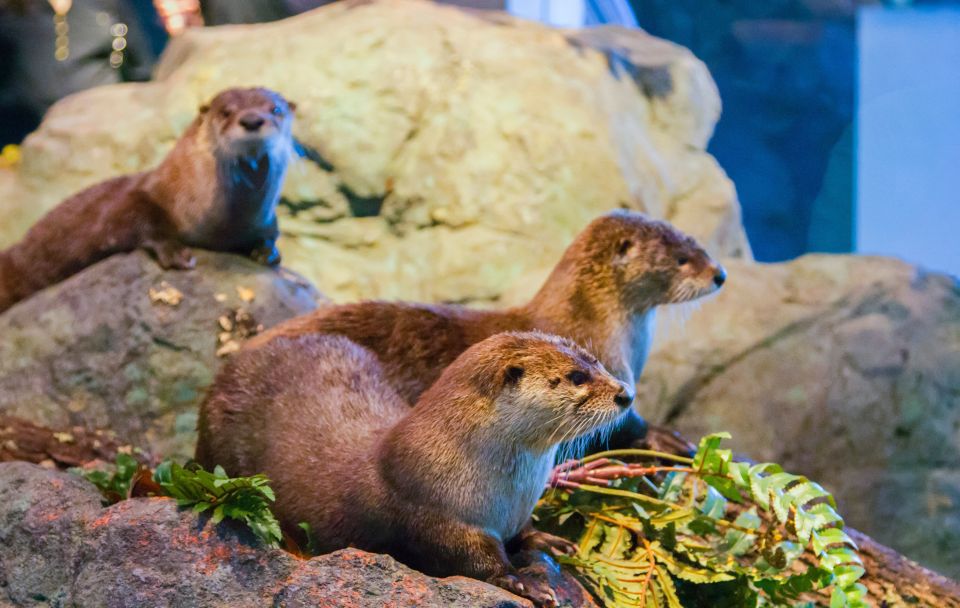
<point>467,147</point>
<point>60,547</point>
<point>845,369</point>
<point>127,346</point>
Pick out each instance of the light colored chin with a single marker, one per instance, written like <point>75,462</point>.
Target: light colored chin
<point>251,146</point>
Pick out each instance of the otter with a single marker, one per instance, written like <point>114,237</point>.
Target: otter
<point>216,189</point>
<point>441,487</point>
<point>603,294</point>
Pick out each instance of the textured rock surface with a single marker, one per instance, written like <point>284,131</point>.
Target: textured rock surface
<point>845,369</point>
<point>59,547</point>
<point>96,351</point>
<point>476,145</point>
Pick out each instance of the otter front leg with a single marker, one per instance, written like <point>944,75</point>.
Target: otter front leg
<point>465,550</point>
<point>266,253</point>
<point>530,538</point>
<point>171,254</point>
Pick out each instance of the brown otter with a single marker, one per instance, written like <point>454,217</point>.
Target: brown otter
<point>443,486</point>
<point>216,189</point>
<point>603,294</point>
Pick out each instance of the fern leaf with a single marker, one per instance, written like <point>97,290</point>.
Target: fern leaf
<point>714,504</point>
<point>676,516</point>
<point>821,539</point>
<point>688,572</point>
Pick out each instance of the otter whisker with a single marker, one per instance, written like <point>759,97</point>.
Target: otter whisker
<point>557,428</point>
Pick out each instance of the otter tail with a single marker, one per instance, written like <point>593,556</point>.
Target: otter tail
<point>26,268</point>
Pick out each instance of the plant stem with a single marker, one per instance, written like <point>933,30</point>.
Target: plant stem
<point>626,494</point>
<point>633,452</point>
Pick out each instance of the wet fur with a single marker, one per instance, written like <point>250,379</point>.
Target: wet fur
<point>602,294</point>
<point>203,194</point>
<point>441,486</point>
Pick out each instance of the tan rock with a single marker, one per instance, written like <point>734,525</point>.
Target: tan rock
<point>477,143</point>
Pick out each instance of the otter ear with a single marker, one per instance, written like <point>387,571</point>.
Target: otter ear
<point>292,105</point>
<point>512,374</point>
<point>204,108</point>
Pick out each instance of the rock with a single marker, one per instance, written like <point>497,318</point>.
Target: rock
<point>353,578</point>
<point>60,547</point>
<point>41,516</point>
<point>467,147</point>
<point>842,368</point>
<point>99,351</point>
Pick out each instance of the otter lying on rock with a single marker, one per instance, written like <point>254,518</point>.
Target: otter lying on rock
<point>440,487</point>
<point>217,189</point>
<point>602,294</point>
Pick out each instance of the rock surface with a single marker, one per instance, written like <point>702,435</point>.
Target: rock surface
<point>845,369</point>
<point>99,351</point>
<point>467,147</point>
<point>60,547</point>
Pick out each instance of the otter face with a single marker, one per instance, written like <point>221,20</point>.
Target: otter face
<point>554,391</point>
<point>248,123</point>
<point>654,263</point>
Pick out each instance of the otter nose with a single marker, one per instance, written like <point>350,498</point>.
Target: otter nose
<point>625,397</point>
<point>720,276</point>
<point>251,122</point>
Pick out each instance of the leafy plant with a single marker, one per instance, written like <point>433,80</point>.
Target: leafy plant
<point>312,547</point>
<point>115,485</point>
<point>246,499</point>
<point>655,535</point>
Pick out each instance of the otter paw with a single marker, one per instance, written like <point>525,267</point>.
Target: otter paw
<point>534,589</point>
<point>268,255</point>
<point>171,255</point>
<point>548,543</point>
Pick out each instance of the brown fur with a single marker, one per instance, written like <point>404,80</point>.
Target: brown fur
<point>602,294</point>
<point>216,189</point>
<point>441,486</point>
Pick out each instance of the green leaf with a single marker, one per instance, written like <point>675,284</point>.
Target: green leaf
<point>714,504</point>
<point>644,538</point>
<point>709,459</point>
<point>726,486</point>
<point>244,499</point>
<point>672,485</point>
<point>117,484</point>
<point>678,516</point>
<point>821,539</point>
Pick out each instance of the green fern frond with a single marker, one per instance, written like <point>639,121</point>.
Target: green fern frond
<point>246,499</point>
<point>650,538</point>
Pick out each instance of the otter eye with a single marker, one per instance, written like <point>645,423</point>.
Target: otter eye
<point>578,377</point>
<point>225,112</point>
<point>682,261</point>
<point>276,110</point>
<point>623,247</point>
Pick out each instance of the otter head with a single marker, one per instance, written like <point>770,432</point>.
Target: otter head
<point>650,262</point>
<point>248,123</point>
<point>544,389</point>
